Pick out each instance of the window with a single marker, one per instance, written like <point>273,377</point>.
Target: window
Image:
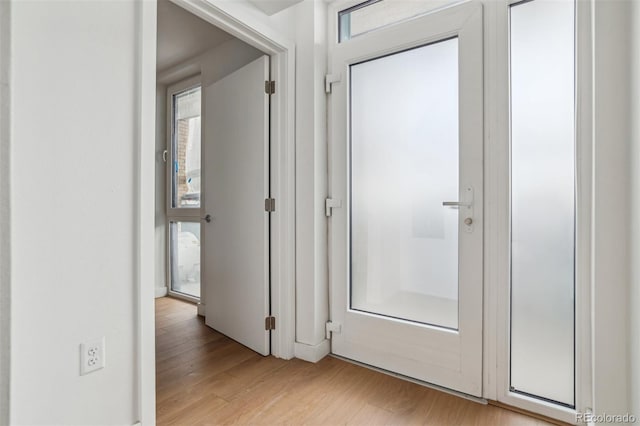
<point>185,148</point>
<point>183,189</point>
<point>374,14</point>
<point>543,199</point>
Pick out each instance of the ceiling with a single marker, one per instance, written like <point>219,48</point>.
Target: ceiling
<point>182,35</point>
<point>273,6</point>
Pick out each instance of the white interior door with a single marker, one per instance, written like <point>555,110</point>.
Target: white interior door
<point>236,240</point>
<point>406,162</point>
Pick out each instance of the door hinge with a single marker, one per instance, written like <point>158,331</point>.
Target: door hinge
<point>270,323</point>
<point>332,327</point>
<point>329,79</point>
<point>269,87</point>
<point>270,204</point>
<point>330,204</point>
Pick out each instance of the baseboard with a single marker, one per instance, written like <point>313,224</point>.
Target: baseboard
<point>161,292</point>
<point>201,310</point>
<point>312,353</point>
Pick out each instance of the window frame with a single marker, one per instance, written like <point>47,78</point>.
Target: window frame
<point>341,7</point>
<point>497,282</point>
<point>178,214</point>
<point>174,89</point>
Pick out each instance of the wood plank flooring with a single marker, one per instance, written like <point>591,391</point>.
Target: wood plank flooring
<point>204,377</point>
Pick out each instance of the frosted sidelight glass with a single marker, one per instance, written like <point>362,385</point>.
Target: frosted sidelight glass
<point>542,199</point>
<point>404,164</point>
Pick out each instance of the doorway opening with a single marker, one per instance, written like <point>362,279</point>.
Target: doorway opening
<point>219,130</point>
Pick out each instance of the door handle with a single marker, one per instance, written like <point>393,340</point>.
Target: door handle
<point>455,204</point>
<point>467,209</point>
<point>207,218</point>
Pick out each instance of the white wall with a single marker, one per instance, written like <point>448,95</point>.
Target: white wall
<point>309,34</point>
<point>212,65</point>
<point>74,182</point>
<point>225,59</point>
<point>634,300</point>
<point>611,214</point>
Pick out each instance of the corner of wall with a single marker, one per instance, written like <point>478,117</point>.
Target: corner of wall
<point>612,208</point>
<point>312,353</point>
<point>5,212</point>
<point>160,191</point>
<point>161,292</point>
<point>634,299</point>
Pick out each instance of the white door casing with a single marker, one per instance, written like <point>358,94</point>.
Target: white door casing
<point>236,241</point>
<point>445,357</point>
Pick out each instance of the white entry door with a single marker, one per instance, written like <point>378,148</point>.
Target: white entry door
<point>235,253</point>
<point>406,172</point>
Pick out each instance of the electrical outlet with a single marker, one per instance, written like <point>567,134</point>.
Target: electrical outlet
<point>91,356</point>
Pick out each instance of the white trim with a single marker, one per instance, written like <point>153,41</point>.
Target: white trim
<point>497,258</point>
<point>584,205</point>
<point>312,353</point>
<point>202,309</point>
<point>496,156</point>
<point>183,296</point>
<point>240,23</point>
<point>5,211</point>
<point>161,292</point>
<point>144,212</point>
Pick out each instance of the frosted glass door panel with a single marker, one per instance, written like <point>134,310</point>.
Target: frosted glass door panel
<point>404,164</point>
<point>543,207</point>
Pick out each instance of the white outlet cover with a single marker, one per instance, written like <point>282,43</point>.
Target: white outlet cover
<point>91,356</point>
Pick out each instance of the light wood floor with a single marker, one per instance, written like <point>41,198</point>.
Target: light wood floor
<point>204,377</point>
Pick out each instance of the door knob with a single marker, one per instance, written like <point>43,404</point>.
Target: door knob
<point>207,218</point>
<point>468,221</point>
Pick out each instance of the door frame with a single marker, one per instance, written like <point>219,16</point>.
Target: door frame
<point>496,262</point>
<point>464,21</point>
<point>238,21</point>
